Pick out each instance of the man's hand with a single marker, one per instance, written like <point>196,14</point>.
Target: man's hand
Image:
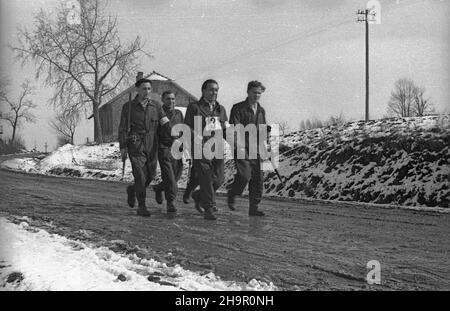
<point>123,154</point>
<point>266,152</point>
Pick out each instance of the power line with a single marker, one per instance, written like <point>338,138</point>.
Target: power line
<point>267,48</point>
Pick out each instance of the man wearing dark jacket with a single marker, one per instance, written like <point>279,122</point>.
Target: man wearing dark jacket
<point>248,168</point>
<point>171,169</point>
<point>210,171</point>
<point>138,128</point>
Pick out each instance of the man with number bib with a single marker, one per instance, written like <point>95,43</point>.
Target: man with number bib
<point>138,137</point>
<point>210,172</point>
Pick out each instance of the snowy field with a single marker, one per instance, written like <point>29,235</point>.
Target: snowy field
<point>399,161</point>
<point>33,259</point>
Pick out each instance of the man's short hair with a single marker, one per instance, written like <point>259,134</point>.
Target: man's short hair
<point>209,81</point>
<point>143,80</point>
<point>166,93</point>
<point>255,83</point>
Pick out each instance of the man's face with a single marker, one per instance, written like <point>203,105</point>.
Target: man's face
<point>254,94</point>
<point>144,90</point>
<point>210,93</point>
<point>169,101</point>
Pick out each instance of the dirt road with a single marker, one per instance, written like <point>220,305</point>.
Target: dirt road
<point>297,246</point>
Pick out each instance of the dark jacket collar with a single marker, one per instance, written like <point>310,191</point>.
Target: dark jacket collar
<point>168,112</point>
<point>248,106</point>
<point>137,102</point>
<point>205,105</point>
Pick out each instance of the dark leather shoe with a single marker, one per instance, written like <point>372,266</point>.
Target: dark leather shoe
<point>171,208</point>
<point>231,201</point>
<point>197,205</point>
<point>186,198</point>
<point>256,213</point>
<point>158,195</point>
<point>131,196</point>
<point>143,211</point>
<point>208,215</point>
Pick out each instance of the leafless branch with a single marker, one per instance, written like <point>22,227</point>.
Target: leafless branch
<point>86,60</point>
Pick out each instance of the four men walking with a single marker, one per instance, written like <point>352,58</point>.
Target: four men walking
<point>145,134</point>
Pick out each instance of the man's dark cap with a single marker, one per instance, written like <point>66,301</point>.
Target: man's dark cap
<point>143,80</point>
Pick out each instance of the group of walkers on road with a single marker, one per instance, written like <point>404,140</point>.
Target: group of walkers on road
<point>147,133</point>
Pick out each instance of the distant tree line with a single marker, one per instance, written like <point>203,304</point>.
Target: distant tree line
<point>316,123</point>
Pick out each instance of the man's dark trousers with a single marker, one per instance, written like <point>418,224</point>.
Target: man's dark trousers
<point>210,177</point>
<point>192,182</point>
<point>248,172</point>
<point>171,170</point>
<point>143,163</point>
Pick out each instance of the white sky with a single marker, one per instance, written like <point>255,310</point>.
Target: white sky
<point>309,54</point>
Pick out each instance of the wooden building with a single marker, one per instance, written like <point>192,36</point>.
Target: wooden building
<point>110,111</point>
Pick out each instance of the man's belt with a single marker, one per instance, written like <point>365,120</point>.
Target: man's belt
<point>135,136</point>
<point>140,133</point>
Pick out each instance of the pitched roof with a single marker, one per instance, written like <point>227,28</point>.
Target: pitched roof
<point>155,76</point>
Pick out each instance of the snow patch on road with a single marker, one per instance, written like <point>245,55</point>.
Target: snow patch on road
<point>33,259</point>
<point>21,164</point>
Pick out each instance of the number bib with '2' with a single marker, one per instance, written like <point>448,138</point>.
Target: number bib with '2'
<point>212,124</point>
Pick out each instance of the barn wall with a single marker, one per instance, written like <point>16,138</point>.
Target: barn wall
<point>182,98</point>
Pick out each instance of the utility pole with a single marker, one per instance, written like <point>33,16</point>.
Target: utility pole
<point>362,17</point>
<point>45,145</point>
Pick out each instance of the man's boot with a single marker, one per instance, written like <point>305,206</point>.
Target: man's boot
<point>208,215</point>
<point>171,207</point>
<point>142,209</point>
<point>131,196</point>
<point>253,211</point>
<point>186,196</point>
<point>196,197</point>
<point>158,194</point>
<point>231,200</point>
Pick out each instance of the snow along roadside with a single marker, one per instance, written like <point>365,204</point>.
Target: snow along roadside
<point>33,259</point>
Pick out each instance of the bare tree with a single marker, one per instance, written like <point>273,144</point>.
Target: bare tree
<point>84,58</point>
<point>308,124</point>
<point>61,141</point>
<point>311,124</point>
<point>20,109</point>
<point>3,86</point>
<point>316,123</point>
<point>421,105</point>
<point>336,120</point>
<point>65,124</point>
<point>302,125</point>
<point>3,91</point>
<point>402,98</point>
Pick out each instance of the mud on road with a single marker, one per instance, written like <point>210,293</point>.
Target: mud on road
<point>298,246</point>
